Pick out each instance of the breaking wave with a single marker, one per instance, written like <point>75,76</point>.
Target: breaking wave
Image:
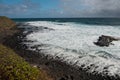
<point>73,42</point>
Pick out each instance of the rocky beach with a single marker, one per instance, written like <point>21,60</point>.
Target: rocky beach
<point>12,65</point>
<point>52,68</point>
<point>56,67</point>
<point>59,40</point>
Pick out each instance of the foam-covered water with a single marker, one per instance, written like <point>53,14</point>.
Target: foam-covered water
<point>73,42</point>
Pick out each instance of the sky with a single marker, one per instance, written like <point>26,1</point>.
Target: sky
<point>59,8</point>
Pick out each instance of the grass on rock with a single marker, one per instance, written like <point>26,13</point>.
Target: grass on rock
<point>13,67</point>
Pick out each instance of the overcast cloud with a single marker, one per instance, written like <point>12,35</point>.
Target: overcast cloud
<point>65,8</point>
<point>92,8</point>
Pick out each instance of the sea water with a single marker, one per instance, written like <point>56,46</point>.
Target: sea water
<point>72,40</point>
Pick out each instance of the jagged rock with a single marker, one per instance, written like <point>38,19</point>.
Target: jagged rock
<point>105,40</point>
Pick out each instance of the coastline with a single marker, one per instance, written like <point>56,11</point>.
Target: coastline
<point>55,67</point>
<point>13,66</point>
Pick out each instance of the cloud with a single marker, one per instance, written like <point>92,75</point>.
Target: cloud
<point>93,8</point>
<point>12,8</point>
<point>65,8</point>
<point>20,9</point>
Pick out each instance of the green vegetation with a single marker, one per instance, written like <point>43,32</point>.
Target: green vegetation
<point>7,27</point>
<point>6,23</point>
<point>13,67</point>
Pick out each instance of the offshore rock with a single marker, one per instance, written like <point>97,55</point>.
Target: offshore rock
<point>105,40</point>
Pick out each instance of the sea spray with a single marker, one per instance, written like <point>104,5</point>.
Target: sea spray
<point>73,43</point>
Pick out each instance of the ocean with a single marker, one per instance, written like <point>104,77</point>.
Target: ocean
<point>72,39</point>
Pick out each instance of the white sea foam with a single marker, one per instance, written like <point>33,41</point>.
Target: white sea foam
<point>74,43</point>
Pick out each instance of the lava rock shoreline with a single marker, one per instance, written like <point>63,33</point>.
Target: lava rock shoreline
<point>12,66</point>
<point>55,67</point>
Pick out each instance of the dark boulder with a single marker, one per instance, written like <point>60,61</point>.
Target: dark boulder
<point>104,40</point>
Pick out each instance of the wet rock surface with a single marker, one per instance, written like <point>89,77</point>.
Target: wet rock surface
<point>31,28</point>
<point>105,40</point>
<point>55,67</point>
